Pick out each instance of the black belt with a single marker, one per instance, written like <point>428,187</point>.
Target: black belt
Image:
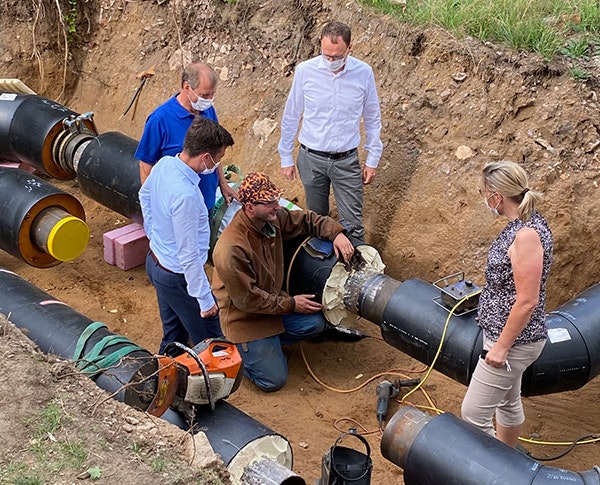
<point>153,256</point>
<point>331,155</point>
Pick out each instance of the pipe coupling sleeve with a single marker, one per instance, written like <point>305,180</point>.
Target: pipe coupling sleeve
<point>400,433</point>
<point>368,293</point>
<point>338,304</point>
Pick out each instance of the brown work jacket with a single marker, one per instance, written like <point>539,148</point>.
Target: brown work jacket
<point>249,272</point>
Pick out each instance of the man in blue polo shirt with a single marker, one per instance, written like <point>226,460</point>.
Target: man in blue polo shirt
<point>167,125</point>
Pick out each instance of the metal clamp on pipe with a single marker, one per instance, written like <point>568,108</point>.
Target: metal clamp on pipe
<point>78,130</point>
<point>42,133</point>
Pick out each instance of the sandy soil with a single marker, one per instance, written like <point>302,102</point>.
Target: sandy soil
<point>423,213</point>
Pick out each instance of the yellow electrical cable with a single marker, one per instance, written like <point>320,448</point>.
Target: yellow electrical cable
<point>432,406</point>
<point>354,389</point>
<point>344,391</point>
<point>439,350</point>
<point>559,443</point>
<point>287,278</point>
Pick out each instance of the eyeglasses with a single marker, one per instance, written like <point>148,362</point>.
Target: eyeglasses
<point>206,95</point>
<point>203,96</point>
<point>273,203</point>
<point>334,58</point>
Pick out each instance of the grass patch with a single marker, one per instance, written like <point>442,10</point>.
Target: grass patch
<point>49,451</point>
<point>48,420</point>
<point>578,74</point>
<point>542,26</point>
<point>18,473</point>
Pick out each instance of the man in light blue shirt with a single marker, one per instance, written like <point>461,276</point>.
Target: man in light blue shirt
<point>332,93</point>
<point>176,223</point>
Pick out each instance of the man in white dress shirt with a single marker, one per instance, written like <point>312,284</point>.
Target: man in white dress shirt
<point>332,93</point>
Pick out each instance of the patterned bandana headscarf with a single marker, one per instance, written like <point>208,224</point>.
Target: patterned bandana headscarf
<point>256,187</point>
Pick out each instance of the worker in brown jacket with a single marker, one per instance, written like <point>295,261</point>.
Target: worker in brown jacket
<point>248,277</point>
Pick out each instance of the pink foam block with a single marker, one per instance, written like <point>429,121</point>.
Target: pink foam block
<point>131,249</point>
<point>108,239</point>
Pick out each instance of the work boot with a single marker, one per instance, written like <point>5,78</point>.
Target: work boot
<point>337,333</point>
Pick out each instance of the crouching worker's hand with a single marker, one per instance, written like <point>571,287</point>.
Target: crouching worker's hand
<point>306,304</point>
<point>343,247</point>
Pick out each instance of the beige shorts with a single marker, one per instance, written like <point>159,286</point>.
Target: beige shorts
<point>497,391</point>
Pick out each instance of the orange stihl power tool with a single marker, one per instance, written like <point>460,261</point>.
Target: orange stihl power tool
<point>201,375</point>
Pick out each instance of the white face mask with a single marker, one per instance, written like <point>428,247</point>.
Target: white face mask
<point>208,171</point>
<point>334,65</point>
<point>201,103</point>
<point>493,210</point>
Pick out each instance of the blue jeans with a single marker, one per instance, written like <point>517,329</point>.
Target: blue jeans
<point>264,362</point>
<point>179,312</point>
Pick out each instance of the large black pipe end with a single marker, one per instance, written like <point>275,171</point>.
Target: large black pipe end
<point>31,127</point>
<point>24,197</point>
<point>446,450</point>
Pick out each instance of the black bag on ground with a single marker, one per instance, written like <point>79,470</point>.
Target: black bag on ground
<point>343,466</point>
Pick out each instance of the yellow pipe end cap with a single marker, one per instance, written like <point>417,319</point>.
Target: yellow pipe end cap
<point>68,238</point>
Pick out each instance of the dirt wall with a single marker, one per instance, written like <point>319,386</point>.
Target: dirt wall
<point>448,106</point>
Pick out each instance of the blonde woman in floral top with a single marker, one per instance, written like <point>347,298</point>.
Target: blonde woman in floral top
<point>512,305</point>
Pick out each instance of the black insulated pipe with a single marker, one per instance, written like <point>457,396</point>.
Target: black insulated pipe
<point>413,322</point>
<point>240,441</point>
<point>56,328</point>
<point>41,224</point>
<point>42,133</point>
<point>108,173</point>
<point>446,450</point>
<point>64,145</point>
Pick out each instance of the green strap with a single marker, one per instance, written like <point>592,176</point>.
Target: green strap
<point>84,337</point>
<point>94,362</point>
<point>104,362</point>
<point>95,353</point>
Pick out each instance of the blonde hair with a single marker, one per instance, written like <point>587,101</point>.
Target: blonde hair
<point>510,180</point>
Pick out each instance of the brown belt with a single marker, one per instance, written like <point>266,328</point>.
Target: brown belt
<point>153,256</point>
